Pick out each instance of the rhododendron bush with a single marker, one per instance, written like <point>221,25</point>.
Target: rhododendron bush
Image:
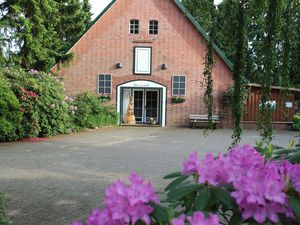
<point>241,187</point>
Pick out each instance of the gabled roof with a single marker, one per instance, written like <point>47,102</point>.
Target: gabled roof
<point>185,12</point>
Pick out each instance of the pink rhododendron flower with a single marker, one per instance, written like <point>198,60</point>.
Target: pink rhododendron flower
<point>52,106</point>
<point>213,171</point>
<point>241,159</point>
<point>295,177</point>
<point>179,221</point>
<point>260,193</point>
<point>199,219</point>
<point>191,165</point>
<point>130,203</point>
<point>99,217</point>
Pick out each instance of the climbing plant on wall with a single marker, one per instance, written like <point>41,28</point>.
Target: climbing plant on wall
<point>208,98</point>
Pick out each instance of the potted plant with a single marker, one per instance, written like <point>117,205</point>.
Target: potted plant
<point>178,99</point>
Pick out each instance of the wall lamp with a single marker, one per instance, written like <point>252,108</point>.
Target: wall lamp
<point>164,66</point>
<point>119,65</point>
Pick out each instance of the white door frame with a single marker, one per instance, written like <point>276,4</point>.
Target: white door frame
<point>145,84</point>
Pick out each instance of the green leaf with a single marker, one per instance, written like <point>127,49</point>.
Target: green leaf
<point>172,175</point>
<point>224,197</point>
<point>295,205</point>
<point>161,214</point>
<point>175,182</point>
<point>294,158</point>
<point>236,219</point>
<point>203,199</point>
<point>181,192</point>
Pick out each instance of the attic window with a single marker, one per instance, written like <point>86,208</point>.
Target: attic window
<point>153,27</point>
<point>134,26</point>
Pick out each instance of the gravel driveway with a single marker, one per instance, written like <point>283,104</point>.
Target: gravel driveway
<point>61,179</point>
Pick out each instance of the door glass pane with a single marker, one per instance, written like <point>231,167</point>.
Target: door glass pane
<point>151,105</point>
<point>138,105</point>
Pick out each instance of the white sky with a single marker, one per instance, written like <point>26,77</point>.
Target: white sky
<point>99,5</point>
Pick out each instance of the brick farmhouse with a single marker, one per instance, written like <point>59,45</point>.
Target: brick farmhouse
<point>152,50</point>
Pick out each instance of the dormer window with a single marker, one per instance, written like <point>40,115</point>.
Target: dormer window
<point>153,27</point>
<point>134,26</point>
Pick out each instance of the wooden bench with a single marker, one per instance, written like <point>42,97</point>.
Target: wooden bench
<point>203,119</point>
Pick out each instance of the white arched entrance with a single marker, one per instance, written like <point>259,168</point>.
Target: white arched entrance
<point>150,100</point>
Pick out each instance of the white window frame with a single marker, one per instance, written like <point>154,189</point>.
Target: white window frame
<point>149,24</point>
<point>138,30</point>
<point>148,71</point>
<point>98,87</point>
<point>179,84</point>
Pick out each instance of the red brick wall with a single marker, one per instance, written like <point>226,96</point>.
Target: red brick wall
<point>178,44</point>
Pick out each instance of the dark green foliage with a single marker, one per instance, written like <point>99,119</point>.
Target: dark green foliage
<point>92,113</point>
<point>41,31</point>
<point>287,40</point>
<point>205,13</point>
<point>178,100</point>
<point>208,97</point>
<point>3,204</point>
<point>87,8</point>
<point>296,122</point>
<point>268,68</point>
<point>201,10</point>
<point>10,114</point>
<point>31,27</point>
<point>290,153</point>
<point>42,102</point>
<point>239,72</point>
<point>75,17</point>
<point>33,104</point>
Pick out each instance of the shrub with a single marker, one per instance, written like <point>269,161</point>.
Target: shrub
<point>91,113</point>
<point>10,114</point>
<point>42,102</point>
<point>241,187</point>
<point>3,204</point>
<point>296,122</point>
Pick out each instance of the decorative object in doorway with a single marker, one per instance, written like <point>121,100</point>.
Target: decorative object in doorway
<point>129,117</point>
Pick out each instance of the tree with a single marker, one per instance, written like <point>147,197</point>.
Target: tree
<point>40,32</point>
<point>75,18</point>
<point>87,9</point>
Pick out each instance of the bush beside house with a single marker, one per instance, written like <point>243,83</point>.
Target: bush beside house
<point>33,104</point>
<point>296,122</point>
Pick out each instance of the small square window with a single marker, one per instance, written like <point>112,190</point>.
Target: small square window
<point>179,86</point>
<point>134,27</point>
<point>153,27</point>
<point>104,84</point>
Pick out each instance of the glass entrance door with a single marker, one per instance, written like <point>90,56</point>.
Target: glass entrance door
<point>151,106</point>
<point>138,102</point>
